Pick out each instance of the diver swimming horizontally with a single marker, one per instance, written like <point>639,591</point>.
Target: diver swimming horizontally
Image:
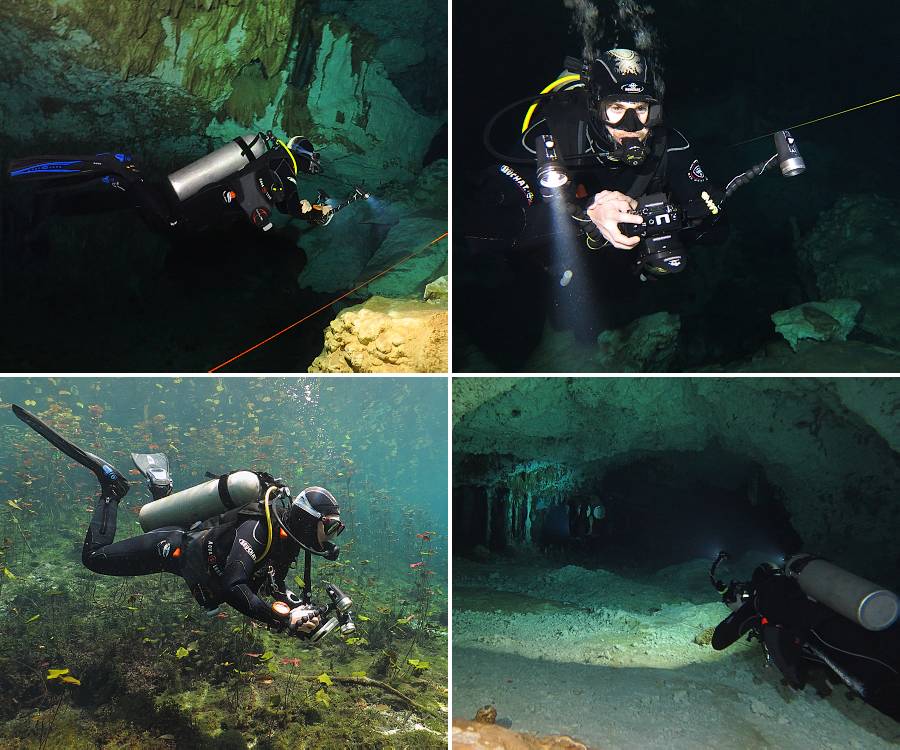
<point>812,612</point>
<point>251,177</point>
<point>226,538</point>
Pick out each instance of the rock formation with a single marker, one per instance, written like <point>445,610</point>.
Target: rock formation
<point>385,335</point>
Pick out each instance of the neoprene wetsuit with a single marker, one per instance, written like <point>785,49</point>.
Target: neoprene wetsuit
<point>220,564</point>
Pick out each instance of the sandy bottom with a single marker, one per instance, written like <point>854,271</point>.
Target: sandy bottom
<point>612,662</point>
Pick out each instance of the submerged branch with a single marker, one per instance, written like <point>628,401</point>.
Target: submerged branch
<point>368,681</point>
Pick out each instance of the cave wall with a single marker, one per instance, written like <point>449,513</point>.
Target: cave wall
<point>162,76</point>
<point>171,80</point>
<point>829,446</point>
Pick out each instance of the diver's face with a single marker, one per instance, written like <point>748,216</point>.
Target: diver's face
<point>615,111</point>
<point>321,535</point>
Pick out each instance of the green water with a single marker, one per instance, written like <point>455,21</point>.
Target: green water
<point>379,444</point>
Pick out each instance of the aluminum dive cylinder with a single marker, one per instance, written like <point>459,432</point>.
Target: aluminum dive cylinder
<point>859,600</point>
<point>220,164</point>
<point>200,502</point>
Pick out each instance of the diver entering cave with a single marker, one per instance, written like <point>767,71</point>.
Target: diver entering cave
<point>248,178</point>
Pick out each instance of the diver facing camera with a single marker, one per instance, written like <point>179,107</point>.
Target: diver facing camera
<point>232,539</point>
<point>248,178</point>
<point>626,178</point>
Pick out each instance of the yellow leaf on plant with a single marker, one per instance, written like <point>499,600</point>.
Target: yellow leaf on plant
<point>71,680</point>
<point>52,674</point>
<point>324,679</point>
<point>322,697</point>
<point>32,619</point>
<point>358,674</point>
<point>13,504</point>
<point>362,618</point>
<point>8,573</point>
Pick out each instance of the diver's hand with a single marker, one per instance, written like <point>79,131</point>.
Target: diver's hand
<point>608,209</point>
<point>303,620</point>
<point>305,206</point>
<point>324,208</point>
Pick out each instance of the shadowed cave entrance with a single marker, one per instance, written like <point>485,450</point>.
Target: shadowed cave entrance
<point>646,511</point>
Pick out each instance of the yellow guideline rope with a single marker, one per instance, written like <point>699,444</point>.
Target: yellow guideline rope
<point>547,90</point>
<point>268,520</point>
<point>818,119</point>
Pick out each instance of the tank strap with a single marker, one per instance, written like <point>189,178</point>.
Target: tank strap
<point>227,500</point>
<point>247,149</point>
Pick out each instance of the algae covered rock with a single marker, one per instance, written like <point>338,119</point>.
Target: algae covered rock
<point>409,236</point>
<point>644,345</point>
<point>832,320</point>
<point>385,335</point>
<point>438,290</point>
<point>342,254</point>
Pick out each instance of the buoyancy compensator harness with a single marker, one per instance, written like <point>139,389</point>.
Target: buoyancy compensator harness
<point>566,109</point>
<point>244,496</point>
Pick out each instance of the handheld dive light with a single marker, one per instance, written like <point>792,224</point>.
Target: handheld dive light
<point>550,172</point>
<point>789,158</point>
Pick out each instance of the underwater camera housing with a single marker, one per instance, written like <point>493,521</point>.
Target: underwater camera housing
<point>340,604</point>
<point>660,252</point>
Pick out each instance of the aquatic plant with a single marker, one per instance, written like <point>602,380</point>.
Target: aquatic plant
<point>142,648</point>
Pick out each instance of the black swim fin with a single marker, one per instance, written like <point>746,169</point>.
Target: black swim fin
<point>155,467</point>
<point>74,170</point>
<point>112,482</point>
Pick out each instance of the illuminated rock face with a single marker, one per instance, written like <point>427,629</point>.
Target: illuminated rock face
<point>828,449</point>
<point>385,335</point>
<point>164,75</point>
<point>831,320</point>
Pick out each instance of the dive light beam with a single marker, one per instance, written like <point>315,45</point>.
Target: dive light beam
<point>327,305</point>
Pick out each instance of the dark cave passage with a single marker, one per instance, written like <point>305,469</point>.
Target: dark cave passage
<point>646,512</point>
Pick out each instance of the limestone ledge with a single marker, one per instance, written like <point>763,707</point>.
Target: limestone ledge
<point>386,335</point>
<point>475,735</point>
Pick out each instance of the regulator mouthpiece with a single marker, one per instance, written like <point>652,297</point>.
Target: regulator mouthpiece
<point>789,158</point>
<point>550,172</point>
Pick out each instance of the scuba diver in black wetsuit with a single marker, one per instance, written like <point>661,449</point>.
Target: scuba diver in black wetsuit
<point>235,557</point>
<point>250,177</point>
<point>602,150</point>
<point>812,612</point>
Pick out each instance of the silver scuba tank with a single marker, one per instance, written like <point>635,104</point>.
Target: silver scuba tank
<point>859,600</point>
<point>218,165</point>
<point>201,502</point>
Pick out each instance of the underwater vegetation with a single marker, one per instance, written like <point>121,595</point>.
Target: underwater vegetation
<point>94,661</point>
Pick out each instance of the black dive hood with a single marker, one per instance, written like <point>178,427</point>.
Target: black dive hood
<point>301,520</point>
